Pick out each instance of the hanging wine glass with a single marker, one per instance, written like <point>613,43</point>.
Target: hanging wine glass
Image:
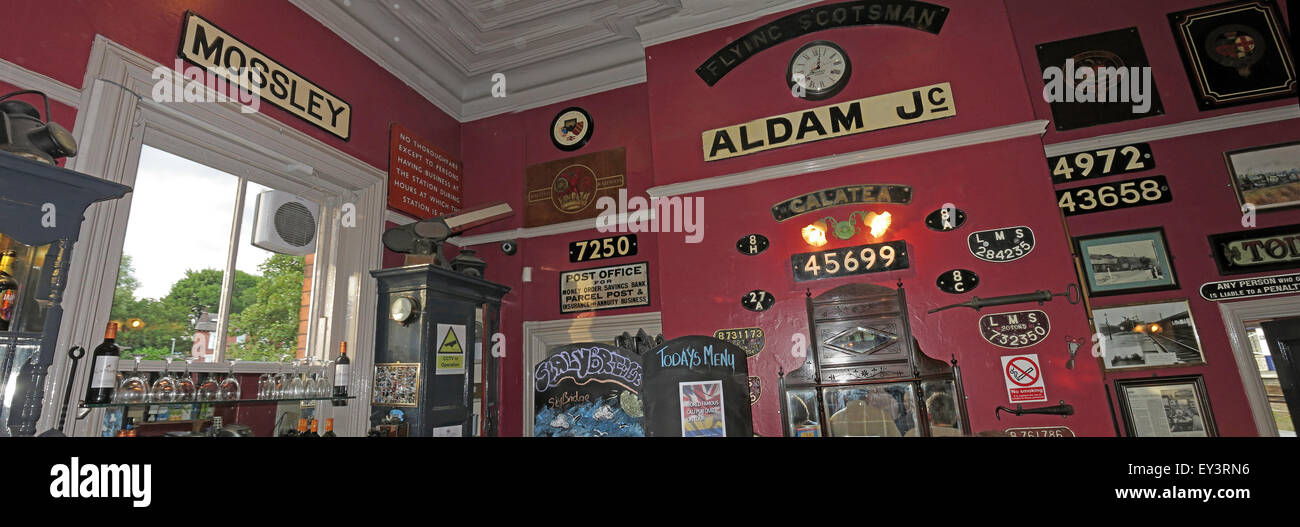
<point>209,389</point>
<point>133,388</point>
<point>297,386</point>
<point>164,389</point>
<point>185,384</point>
<point>266,386</point>
<point>281,388</point>
<point>230,385</point>
<point>323,386</point>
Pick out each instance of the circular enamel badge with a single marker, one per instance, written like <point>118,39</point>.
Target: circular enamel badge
<point>571,129</point>
<point>573,189</point>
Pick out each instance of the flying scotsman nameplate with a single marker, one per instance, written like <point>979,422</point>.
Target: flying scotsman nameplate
<point>834,197</point>
<point>878,112</point>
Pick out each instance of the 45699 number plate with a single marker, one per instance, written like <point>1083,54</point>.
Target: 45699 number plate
<point>847,261</point>
<point>1137,192</point>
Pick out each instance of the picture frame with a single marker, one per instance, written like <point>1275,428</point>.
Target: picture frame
<point>1148,335</point>
<point>1120,48</point>
<point>1183,399</point>
<point>1267,177</point>
<point>396,384</point>
<point>1135,261</point>
<point>1235,53</point>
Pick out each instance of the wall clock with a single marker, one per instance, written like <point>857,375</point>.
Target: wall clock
<point>823,65</point>
<point>571,129</point>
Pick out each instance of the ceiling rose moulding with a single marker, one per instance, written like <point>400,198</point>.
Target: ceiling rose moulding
<point>416,77</point>
<point>701,16</point>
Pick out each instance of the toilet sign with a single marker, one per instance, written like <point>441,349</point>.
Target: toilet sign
<point>1024,378</point>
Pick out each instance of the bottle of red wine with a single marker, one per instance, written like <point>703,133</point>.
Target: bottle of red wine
<point>8,289</point>
<point>329,428</point>
<point>341,369</point>
<point>103,372</point>
<point>311,432</point>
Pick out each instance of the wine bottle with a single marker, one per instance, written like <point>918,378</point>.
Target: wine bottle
<point>103,373</point>
<point>329,428</point>
<point>128,428</point>
<point>311,432</point>
<point>302,427</point>
<point>8,289</point>
<point>341,369</point>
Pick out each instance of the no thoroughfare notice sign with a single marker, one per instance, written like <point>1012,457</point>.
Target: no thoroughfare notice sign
<point>1024,378</point>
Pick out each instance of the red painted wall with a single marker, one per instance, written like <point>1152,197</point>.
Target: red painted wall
<point>59,47</point>
<point>499,149</point>
<point>1204,202</point>
<point>1037,22</point>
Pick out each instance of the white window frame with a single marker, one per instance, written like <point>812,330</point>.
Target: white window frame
<point>112,124</point>
<point>1235,316</point>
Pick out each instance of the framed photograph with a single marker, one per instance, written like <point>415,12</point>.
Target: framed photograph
<point>1118,49</point>
<point>1267,177</point>
<point>396,384</point>
<point>1126,262</point>
<point>1147,335</point>
<point>1166,407</point>
<point>1235,53</point>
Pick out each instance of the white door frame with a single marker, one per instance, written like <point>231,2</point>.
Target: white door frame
<point>541,336</point>
<point>116,114</point>
<point>1235,315</point>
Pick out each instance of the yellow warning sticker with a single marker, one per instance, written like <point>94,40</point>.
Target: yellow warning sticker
<point>451,350</point>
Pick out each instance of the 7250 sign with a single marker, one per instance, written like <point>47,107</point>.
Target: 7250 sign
<point>1111,196</point>
<point>1101,163</point>
<point>602,248</point>
<point>859,259</point>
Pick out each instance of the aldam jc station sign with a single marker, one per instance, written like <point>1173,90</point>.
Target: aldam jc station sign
<point>204,44</point>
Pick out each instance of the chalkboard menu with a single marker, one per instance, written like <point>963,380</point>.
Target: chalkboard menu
<point>588,390</point>
<point>696,386</point>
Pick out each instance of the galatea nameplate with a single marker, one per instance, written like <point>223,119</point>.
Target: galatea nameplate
<point>945,219</point>
<point>749,339</point>
<point>848,261</point>
<point>752,244</point>
<point>757,300</point>
<point>877,112</point>
<point>958,281</point>
<point>834,197</point>
<point>1257,250</point>
<point>1001,245</point>
<point>1019,329</point>
<point>602,248</point>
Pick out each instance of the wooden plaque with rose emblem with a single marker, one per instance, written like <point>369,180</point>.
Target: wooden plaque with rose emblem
<point>567,189</point>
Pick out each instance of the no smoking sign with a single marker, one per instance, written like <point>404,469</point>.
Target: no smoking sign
<point>1024,378</point>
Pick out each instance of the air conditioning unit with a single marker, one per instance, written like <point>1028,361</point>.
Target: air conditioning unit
<point>285,223</point>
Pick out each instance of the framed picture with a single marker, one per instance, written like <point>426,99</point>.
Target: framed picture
<point>1146,335</point>
<point>1235,53</point>
<point>1267,177</point>
<point>1166,407</point>
<point>1120,49</point>
<point>396,384</point>
<point>1126,262</point>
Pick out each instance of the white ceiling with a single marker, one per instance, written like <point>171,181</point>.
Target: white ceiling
<point>548,50</point>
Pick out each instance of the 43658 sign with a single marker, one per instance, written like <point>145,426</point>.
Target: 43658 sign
<point>1112,196</point>
<point>859,259</point>
<point>1101,163</point>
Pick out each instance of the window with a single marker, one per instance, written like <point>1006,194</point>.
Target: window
<point>173,295</point>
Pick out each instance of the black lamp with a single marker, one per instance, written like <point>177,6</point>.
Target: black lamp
<point>24,133</point>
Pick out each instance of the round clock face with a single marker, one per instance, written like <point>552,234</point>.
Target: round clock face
<point>823,68</point>
<point>571,129</point>
<point>401,309</point>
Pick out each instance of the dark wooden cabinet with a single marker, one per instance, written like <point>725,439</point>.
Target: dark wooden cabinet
<point>41,208</point>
